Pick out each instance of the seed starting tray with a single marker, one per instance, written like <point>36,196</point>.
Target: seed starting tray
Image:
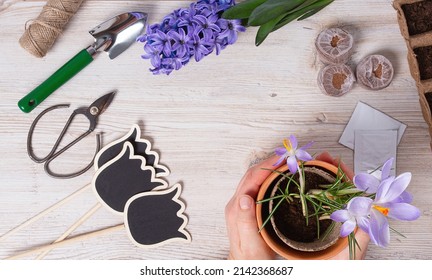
<point>416,28</point>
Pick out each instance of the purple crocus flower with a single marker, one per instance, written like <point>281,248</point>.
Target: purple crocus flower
<point>388,203</point>
<point>291,153</point>
<point>371,215</point>
<point>356,213</point>
<point>189,32</point>
<point>370,184</point>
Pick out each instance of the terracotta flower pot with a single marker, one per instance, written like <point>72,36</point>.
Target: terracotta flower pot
<point>273,238</point>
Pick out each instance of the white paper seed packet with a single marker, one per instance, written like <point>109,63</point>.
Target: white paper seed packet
<point>365,117</point>
<point>372,149</point>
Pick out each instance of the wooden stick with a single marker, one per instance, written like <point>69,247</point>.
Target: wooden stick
<point>72,240</point>
<point>72,228</point>
<point>44,212</point>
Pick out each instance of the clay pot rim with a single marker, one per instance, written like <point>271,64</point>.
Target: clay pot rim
<point>285,251</point>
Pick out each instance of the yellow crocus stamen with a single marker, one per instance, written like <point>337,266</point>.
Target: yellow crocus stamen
<point>287,144</point>
<point>383,210</point>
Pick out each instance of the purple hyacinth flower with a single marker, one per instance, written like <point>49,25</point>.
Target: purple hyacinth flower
<point>207,9</point>
<point>150,29</point>
<point>153,53</point>
<point>291,153</point>
<point>187,15</point>
<point>356,213</point>
<point>185,33</point>
<point>181,40</point>
<point>172,19</point>
<point>198,47</point>
<point>160,38</point>
<point>175,63</point>
<point>220,44</point>
<point>230,29</point>
<point>207,25</point>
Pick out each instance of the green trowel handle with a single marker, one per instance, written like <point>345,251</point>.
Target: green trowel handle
<point>61,76</point>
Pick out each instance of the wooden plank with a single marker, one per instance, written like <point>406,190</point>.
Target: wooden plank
<point>208,121</point>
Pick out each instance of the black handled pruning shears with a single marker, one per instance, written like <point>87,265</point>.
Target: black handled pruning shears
<point>91,112</point>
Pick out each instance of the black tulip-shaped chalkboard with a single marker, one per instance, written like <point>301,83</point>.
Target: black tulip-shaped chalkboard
<point>123,177</point>
<point>155,218</point>
<point>141,147</point>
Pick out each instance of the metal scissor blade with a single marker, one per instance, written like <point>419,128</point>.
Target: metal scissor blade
<point>100,105</point>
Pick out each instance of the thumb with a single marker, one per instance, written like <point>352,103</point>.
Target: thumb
<point>251,243</point>
<point>246,216</point>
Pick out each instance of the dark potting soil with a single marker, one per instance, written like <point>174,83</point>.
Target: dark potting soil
<point>418,17</point>
<point>428,96</point>
<point>424,59</point>
<point>289,217</point>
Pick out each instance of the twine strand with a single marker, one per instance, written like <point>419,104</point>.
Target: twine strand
<point>41,33</point>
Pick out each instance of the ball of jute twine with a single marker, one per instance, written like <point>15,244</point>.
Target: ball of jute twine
<point>41,34</point>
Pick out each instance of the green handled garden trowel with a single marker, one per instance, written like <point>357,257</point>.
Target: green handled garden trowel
<point>112,36</point>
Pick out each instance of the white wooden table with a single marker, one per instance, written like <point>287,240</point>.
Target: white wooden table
<point>207,121</point>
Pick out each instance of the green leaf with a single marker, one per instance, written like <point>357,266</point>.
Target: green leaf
<point>300,14</point>
<point>305,4</point>
<point>287,19</point>
<point>242,10</point>
<point>272,9</point>
<point>265,30</point>
<point>316,10</point>
<point>271,214</point>
<point>274,25</point>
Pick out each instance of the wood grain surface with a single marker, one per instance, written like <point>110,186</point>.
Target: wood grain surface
<point>208,121</point>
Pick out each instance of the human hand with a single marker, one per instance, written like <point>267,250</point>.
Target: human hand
<point>361,237</point>
<point>245,240</point>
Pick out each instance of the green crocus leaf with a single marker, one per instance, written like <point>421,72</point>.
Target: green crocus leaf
<point>272,9</point>
<point>242,10</point>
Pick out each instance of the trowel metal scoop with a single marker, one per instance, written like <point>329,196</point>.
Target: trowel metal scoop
<point>112,36</point>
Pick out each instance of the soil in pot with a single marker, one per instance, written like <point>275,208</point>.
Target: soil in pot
<point>289,218</point>
<point>418,17</point>
<point>424,59</point>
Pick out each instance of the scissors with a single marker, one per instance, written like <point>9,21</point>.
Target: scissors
<point>91,112</point>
